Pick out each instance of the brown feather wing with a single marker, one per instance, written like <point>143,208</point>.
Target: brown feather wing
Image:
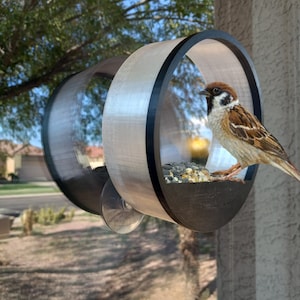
<point>245,126</point>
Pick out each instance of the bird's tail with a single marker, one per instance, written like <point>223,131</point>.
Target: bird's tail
<point>288,168</point>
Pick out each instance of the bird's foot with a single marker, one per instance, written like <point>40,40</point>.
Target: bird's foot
<point>228,175</point>
<point>235,169</point>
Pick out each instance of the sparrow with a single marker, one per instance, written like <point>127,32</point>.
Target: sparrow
<point>242,134</point>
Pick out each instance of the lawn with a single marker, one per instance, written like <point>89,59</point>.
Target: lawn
<point>26,188</point>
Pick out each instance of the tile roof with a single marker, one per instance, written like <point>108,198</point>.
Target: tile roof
<point>94,151</point>
<point>12,149</point>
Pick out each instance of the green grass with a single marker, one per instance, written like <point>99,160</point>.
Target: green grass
<point>25,188</point>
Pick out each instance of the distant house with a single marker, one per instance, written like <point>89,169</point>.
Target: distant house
<point>24,161</point>
<point>28,162</point>
<point>95,156</point>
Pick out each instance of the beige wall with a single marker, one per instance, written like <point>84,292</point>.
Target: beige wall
<point>10,166</point>
<point>95,163</point>
<point>259,251</point>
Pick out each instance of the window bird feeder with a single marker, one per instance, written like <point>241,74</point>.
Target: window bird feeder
<point>159,152</point>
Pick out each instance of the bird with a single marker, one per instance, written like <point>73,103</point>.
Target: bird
<point>242,134</point>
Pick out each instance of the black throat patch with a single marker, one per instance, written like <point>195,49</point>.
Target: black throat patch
<point>226,100</point>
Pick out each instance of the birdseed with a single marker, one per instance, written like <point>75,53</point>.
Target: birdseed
<point>185,172</point>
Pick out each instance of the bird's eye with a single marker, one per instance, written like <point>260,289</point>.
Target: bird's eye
<point>216,91</point>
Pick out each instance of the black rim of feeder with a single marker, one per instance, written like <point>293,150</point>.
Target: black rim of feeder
<point>216,202</point>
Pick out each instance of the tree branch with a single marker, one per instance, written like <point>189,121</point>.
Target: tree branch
<point>60,66</point>
<point>136,5</point>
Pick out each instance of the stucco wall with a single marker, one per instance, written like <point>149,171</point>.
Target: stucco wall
<point>259,251</point>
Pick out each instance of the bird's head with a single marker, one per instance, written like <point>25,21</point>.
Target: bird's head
<point>219,95</point>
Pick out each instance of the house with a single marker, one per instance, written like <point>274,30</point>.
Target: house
<point>27,162</point>
<point>95,156</point>
<point>22,161</point>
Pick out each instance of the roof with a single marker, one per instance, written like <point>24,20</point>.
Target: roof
<point>94,151</point>
<point>11,149</point>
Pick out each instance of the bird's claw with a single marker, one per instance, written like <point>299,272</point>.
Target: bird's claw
<point>228,175</point>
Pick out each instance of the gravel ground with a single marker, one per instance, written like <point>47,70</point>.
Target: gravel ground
<point>83,260</point>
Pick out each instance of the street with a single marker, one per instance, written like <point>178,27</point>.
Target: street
<point>21,202</point>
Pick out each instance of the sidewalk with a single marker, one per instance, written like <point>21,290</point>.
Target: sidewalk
<point>31,188</point>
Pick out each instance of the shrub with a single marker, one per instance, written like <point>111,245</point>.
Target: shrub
<point>44,216</point>
<point>27,219</point>
<point>49,216</point>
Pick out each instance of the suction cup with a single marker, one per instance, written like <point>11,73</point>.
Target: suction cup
<point>117,214</point>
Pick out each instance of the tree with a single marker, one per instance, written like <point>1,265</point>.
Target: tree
<point>189,248</point>
<point>42,42</point>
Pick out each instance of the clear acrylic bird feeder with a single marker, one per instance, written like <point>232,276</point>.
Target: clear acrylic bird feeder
<point>159,151</point>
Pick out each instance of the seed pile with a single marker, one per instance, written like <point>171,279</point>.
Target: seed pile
<point>185,172</point>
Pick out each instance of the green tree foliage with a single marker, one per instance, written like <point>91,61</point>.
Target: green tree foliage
<point>43,41</point>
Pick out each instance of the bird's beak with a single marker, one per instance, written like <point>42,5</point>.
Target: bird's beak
<point>205,93</point>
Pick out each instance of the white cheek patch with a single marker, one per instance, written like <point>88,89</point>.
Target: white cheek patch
<point>233,103</point>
